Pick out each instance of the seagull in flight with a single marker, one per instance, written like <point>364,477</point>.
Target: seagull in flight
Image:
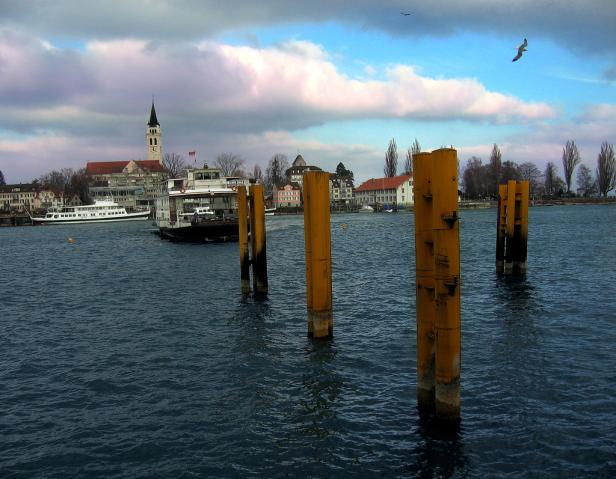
<point>406,14</point>
<point>521,49</point>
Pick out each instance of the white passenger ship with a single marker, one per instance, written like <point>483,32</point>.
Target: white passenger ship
<point>100,212</point>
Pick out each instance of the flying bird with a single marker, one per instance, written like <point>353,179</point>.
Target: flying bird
<point>521,49</point>
<point>406,14</point>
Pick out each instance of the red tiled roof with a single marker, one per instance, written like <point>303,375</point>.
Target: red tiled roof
<point>377,184</point>
<point>109,167</point>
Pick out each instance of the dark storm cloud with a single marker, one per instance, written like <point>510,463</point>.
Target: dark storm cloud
<point>580,26</point>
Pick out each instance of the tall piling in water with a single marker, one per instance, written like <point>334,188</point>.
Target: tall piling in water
<point>317,236</point>
<point>257,236</point>
<point>501,228</point>
<point>446,231</point>
<point>242,218</point>
<point>512,228</point>
<point>519,259</point>
<point>424,274</point>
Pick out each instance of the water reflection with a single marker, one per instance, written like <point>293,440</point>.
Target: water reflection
<point>440,451</point>
<point>322,387</point>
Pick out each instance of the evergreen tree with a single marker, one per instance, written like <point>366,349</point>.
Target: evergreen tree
<point>2,182</point>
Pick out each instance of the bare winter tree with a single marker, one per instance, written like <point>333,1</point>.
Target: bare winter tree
<point>408,159</point>
<point>550,177</point>
<point>494,170</point>
<point>57,180</point>
<point>275,171</point>
<point>391,159</point>
<point>474,178</point>
<point>571,159</point>
<point>606,169</point>
<point>257,174</point>
<point>230,164</point>
<point>585,182</point>
<point>174,164</point>
<point>528,171</point>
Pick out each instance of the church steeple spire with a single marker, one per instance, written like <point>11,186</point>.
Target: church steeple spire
<point>154,138</point>
<point>153,120</point>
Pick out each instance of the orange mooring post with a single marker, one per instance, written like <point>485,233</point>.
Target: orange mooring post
<point>511,238</point>
<point>242,215</point>
<point>446,230</point>
<point>257,236</point>
<point>424,274</point>
<point>512,227</point>
<point>519,260</point>
<point>317,236</point>
<point>501,228</point>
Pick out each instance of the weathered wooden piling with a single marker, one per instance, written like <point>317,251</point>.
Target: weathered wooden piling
<point>257,236</point>
<point>424,273</point>
<point>501,228</point>
<point>519,259</point>
<point>317,236</point>
<point>512,228</point>
<point>510,243</point>
<point>446,231</point>
<point>242,216</point>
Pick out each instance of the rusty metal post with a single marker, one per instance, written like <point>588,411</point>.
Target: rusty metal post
<point>257,236</point>
<point>510,237</point>
<point>317,236</point>
<point>242,218</point>
<point>521,227</point>
<point>445,224</point>
<point>424,274</point>
<point>501,228</point>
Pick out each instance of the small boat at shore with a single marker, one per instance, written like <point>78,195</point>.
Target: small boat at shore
<point>270,211</point>
<point>100,212</point>
<point>366,209</point>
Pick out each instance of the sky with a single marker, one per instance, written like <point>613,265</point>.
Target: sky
<point>331,80</point>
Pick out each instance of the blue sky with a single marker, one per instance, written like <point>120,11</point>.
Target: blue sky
<point>332,81</point>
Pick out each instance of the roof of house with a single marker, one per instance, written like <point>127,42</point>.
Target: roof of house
<point>110,167</point>
<point>377,184</point>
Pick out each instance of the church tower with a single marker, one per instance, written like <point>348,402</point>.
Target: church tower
<point>153,138</point>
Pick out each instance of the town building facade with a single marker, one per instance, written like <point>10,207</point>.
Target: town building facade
<point>393,191</point>
<point>133,184</point>
<point>340,190</point>
<point>287,196</point>
<point>28,197</point>
<point>295,174</point>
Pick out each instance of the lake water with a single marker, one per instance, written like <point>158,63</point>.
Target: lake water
<point>123,355</point>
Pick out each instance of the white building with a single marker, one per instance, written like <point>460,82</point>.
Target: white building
<point>393,191</point>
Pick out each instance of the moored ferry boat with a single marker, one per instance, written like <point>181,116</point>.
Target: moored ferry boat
<point>200,208</point>
<point>100,212</point>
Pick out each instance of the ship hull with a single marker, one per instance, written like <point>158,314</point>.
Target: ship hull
<point>204,232</point>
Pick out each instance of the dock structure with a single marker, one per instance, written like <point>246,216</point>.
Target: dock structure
<point>437,249</point>
<point>317,236</point>
<point>512,228</point>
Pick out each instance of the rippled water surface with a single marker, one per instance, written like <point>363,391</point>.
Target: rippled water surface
<point>123,355</point>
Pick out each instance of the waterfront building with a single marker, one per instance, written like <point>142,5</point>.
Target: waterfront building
<point>287,196</point>
<point>28,197</point>
<point>392,191</point>
<point>295,174</point>
<point>340,190</point>
<point>133,184</point>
